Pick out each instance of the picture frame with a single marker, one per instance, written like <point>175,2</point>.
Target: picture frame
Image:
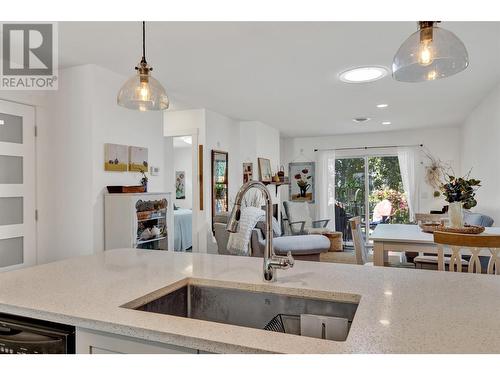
<point>180,185</point>
<point>265,172</point>
<point>138,159</point>
<point>302,181</point>
<point>247,172</point>
<point>115,157</point>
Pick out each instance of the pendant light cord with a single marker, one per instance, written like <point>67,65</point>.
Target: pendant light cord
<point>144,40</point>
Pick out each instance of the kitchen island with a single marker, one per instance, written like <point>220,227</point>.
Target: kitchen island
<point>399,311</point>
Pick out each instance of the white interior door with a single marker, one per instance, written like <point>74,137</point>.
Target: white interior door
<point>17,186</point>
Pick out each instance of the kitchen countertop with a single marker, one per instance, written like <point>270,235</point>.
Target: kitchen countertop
<point>400,310</point>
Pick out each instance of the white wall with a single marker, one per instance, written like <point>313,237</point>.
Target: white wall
<point>244,141</point>
<point>73,123</point>
<point>63,157</point>
<point>481,152</point>
<point>259,140</point>
<point>183,162</point>
<point>443,143</point>
<point>112,123</point>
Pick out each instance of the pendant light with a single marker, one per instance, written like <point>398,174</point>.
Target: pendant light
<point>430,53</point>
<point>142,92</point>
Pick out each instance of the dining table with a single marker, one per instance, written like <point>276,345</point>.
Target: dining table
<point>410,237</point>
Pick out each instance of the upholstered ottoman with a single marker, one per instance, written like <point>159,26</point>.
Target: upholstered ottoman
<point>305,247</point>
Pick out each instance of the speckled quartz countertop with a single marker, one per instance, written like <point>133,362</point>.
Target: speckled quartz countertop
<point>400,310</point>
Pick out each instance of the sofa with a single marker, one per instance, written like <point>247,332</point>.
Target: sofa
<point>302,247</point>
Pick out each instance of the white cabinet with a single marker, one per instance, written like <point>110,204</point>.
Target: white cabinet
<point>142,220</point>
<point>94,342</point>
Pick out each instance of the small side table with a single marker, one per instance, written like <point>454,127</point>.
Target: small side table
<point>335,238</point>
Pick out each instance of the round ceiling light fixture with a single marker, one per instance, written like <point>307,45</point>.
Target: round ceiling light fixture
<point>363,74</point>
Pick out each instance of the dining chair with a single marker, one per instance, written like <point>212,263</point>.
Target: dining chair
<point>360,248</point>
<point>419,219</point>
<point>474,244</point>
<point>300,219</point>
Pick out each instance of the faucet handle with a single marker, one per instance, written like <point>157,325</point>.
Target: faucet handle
<point>291,261</point>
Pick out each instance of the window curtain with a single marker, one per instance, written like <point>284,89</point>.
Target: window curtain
<point>325,186</point>
<point>408,165</point>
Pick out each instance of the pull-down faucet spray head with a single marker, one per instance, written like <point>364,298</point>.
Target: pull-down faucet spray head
<point>234,218</point>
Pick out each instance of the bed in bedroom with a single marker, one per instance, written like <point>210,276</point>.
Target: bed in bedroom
<point>183,238</point>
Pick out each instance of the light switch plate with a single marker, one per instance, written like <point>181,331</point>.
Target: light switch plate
<point>154,171</point>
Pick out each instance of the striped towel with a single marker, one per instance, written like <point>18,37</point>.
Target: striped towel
<point>239,241</point>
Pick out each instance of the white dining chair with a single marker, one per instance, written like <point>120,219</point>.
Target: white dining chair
<point>360,247</point>
<point>427,259</point>
<point>473,244</point>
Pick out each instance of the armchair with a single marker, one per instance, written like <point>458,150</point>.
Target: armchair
<point>300,220</point>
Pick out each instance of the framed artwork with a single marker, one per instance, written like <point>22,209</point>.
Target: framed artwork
<point>220,181</point>
<point>138,159</point>
<point>302,176</point>
<point>247,172</point>
<point>115,157</point>
<point>265,173</point>
<point>180,185</point>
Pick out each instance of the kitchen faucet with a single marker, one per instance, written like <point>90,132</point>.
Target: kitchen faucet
<point>271,260</point>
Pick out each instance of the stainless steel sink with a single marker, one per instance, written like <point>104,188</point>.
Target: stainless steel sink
<point>238,306</point>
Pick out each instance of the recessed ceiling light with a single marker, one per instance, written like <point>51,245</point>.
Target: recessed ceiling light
<point>361,119</point>
<point>386,123</point>
<point>363,74</point>
<point>382,105</point>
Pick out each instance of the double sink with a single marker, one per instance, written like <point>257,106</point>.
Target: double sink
<point>245,305</point>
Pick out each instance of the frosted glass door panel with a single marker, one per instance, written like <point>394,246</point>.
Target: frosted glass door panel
<point>11,210</point>
<point>11,128</point>
<point>11,169</point>
<point>11,252</point>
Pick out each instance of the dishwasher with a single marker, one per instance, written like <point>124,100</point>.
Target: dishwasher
<point>20,335</point>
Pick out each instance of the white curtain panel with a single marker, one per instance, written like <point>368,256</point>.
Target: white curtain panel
<point>325,186</point>
<point>408,164</point>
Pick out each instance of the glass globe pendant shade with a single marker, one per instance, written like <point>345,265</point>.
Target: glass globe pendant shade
<point>430,53</point>
<point>142,92</point>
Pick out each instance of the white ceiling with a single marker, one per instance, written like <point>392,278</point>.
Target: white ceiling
<point>285,73</point>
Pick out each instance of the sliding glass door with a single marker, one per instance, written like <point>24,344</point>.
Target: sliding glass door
<point>349,192</point>
<point>370,187</point>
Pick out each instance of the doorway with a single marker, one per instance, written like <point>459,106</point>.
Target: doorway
<point>183,193</point>
<point>17,186</point>
<point>370,186</point>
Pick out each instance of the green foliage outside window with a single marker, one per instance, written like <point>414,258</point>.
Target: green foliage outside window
<point>384,183</point>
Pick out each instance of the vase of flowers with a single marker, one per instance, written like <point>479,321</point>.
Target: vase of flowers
<point>303,179</point>
<point>144,181</point>
<point>460,193</point>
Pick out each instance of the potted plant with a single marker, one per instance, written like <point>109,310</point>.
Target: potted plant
<point>460,193</point>
<point>144,181</point>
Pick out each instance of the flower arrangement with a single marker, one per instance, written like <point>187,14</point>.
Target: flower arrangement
<point>399,213</point>
<point>461,189</point>
<point>303,179</point>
